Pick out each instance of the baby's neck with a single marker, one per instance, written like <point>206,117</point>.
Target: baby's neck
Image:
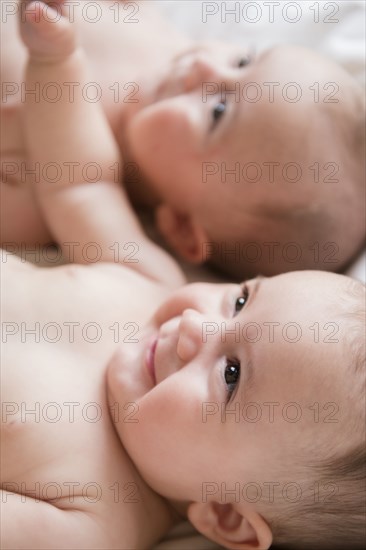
<point>160,515</point>
<point>180,508</point>
<point>140,193</point>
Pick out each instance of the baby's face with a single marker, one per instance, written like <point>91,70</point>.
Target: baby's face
<point>245,383</point>
<point>219,105</point>
<point>250,149</point>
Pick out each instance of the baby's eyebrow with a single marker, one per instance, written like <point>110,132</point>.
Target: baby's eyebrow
<point>256,281</point>
<point>182,54</point>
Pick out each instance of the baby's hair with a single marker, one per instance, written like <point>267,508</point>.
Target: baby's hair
<point>336,522</point>
<point>356,297</point>
<point>324,219</point>
<point>331,522</point>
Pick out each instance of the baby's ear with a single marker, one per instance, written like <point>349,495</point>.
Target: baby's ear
<point>230,527</point>
<point>182,232</point>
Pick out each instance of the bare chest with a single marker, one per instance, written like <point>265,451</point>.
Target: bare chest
<point>59,333</point>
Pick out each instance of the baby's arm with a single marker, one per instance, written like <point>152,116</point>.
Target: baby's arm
<point>27,523</point>
<point>69,132</point>
<point>73,135</point>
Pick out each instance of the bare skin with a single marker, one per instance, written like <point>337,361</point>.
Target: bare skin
<point>166,89</point>
<point>125,502</point>
<point>118,75</point>
<point>84,452</point>
<point>72,408</point>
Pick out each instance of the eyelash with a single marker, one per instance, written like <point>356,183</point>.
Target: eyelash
<point>243,62</point>
<point>244,296</point>
<point>217,113</point>
<point>218,110</point>
<point>230,363</point>
<point>230,387</point>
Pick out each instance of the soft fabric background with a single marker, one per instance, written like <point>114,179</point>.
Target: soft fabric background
<point>343,41</point>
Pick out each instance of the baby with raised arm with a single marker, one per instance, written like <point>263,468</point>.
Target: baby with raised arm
<point>251,183</point>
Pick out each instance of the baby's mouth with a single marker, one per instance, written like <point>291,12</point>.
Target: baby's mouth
<point>161,359</point>
<point>167,89</point>
<point>173,81</point>
<point>150,358</point>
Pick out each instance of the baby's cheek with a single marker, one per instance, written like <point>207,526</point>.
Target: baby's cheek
<point>166,409</point>
<point>152,435</point>
<point>171,436</point>
<point>157,136</point>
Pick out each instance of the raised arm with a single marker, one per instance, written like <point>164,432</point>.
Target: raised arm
<point>79,192</point>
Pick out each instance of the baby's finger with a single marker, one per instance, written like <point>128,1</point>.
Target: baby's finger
<point>35,10</point>
<point>59,6</point>
<point>40,15</point>
<point>45,31</point>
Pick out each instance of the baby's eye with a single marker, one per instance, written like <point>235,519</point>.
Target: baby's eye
<point>218,111</point>
<point>242,300</point>
<point>243,62</point>
<point>231,375</point>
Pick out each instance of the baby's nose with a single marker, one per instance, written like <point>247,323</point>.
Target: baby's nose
<point>201,68</point>
<point>190,335</point>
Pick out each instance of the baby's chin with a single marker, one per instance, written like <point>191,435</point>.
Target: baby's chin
<point>128,375</point>
<point>149,90</point>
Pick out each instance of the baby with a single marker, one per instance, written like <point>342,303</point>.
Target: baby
<point>127,407</point>
<point>256,170</point>
<point>242,169</point>
<point>224,404</point>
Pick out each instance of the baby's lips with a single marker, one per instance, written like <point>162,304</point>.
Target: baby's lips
<point>150,357</point>
<point>172,84</point>
<point>165,91</point>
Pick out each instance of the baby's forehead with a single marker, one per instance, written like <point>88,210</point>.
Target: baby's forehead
<point>354,316</point>
<point>355,290</point>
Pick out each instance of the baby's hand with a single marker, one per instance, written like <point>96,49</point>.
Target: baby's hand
<point>46,31</point>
